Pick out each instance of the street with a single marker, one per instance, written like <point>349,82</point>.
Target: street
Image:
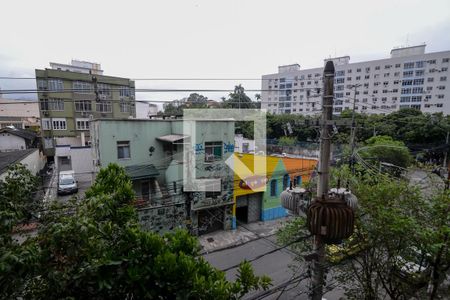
<point>276,265</point>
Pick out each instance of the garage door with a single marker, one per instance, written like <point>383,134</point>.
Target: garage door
<point>254,207</point>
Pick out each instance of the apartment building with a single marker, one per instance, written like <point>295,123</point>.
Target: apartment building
<point>409,78</point>
<point>72,94</point>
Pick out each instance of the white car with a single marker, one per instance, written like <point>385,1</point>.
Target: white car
<point>67,183</point>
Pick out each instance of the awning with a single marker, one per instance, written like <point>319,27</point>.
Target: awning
<point>171,138</point>
<point>141,171</point>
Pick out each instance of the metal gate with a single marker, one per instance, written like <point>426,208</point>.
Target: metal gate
<point>248,208</point>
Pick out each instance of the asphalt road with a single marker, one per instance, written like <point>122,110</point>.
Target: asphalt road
<point>275,265</point>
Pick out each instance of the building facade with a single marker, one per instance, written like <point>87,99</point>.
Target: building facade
<point>252,205</point>
<point>20,114</point>
<point>410,78</point>
<point>71,95</point>
<point>152,153</point>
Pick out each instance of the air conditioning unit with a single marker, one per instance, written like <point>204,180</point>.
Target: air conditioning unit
<point>45,113</point>
<point>102,97</point>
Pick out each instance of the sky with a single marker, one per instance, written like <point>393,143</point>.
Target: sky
<point>233,39</point>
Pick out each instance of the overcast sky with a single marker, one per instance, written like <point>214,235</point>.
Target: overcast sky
<point>209,39</point>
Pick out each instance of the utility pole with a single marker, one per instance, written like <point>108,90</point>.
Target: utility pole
<point>324,177</point>
<point>353,129</point>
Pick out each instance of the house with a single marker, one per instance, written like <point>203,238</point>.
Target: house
<point>243,145</point>
<point>257,197</point>
<point>12,139</point>
<point>152,153</point>
<point>33,159</point>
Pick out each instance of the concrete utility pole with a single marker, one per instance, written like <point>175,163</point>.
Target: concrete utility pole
<point>324,177</point>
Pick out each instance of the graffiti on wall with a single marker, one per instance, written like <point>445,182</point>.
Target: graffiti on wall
<point>228,147</point>
<point>199,149</point>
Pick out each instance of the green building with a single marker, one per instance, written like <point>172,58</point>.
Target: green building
<point>70,95</point>
<point>152,152</point>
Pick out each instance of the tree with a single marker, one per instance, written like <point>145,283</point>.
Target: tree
<point>385,149</point>
<point>395,223</point>
<point>97,250</point>
<point>286,141</point>
<point>238,99</point>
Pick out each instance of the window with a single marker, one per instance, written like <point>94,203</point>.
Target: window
<point>395,90</point>
<point>443,78</point>
<point>408,73</point>
<point>444,69</point>
<point>84,105</point>
<point>397,65</point>
<point>82,87</point>
<point>441,87</point>
<point>439,104</point>
<point>52,104</point>
<point>367,77</point>
<point>104,89</point>
<point>213,151</point>
<point>46,125</point>
<point>59,124</point>
<point>358,70</point>
<point>445,60</point>
<point>349,71</point>
<point>415,106</point>
<point>367,69</point>
<point>82,124</point>
<point>387,66</point>
<point>55,85</point>
<point>125,107</point>
<point>419,64</point>
<point>349,78</point>
<point>104,107</point>
<point>273,188</point>
<point>123,150</point>
<point>407,82</point>
<point>418,81</point>
<point>406,91</point>
<point>429,88</point>
<point>431,62</point>
<point>419,72</point>
<point>417,90</point>
<point>386,74</point>
<point>377,68</point>
<point>416,99</point>
<point>440,96</point>
<point>286,181</point>
<point>396,74</point>
<point>409,65</point>
<point>340,73</point>
<point>42,84</point>
<point>358,77</point>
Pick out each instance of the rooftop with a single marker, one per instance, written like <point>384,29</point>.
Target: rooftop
<point>12,157</point>
<point>23,133</point>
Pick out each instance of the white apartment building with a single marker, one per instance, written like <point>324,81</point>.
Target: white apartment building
<point>409,78</point>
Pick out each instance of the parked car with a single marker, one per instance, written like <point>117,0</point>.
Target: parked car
<point>413,267</point>
<point>67,183</point>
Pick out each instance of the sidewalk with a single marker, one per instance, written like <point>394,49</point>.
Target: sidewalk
<point>225,239</point>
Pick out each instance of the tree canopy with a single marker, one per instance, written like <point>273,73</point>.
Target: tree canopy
<point>96,249</point>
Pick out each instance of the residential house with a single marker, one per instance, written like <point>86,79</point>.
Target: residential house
<point>33,159</point>
<point>12,139</point>
<point>152,153</point>
<point>257,197</point>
